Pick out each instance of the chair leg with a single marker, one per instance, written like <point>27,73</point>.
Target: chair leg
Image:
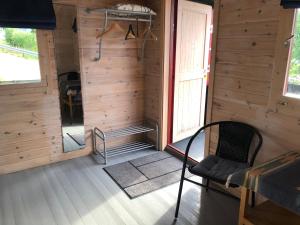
<point>207,184</point>
<point>179,193</point>
<point>253,199</point>
<point>179,198</point>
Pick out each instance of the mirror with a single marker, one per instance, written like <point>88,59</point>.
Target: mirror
<point>69,78</point>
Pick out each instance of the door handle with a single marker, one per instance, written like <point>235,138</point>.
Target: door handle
<point>207,70</point>
<point>204,73</point>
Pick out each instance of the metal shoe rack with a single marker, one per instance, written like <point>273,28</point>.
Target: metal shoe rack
<point>105,136</point>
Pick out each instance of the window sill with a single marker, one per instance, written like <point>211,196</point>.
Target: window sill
<point>23,88</point>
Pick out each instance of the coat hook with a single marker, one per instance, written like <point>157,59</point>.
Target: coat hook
<point>130,33</point>
<point>287,41</point>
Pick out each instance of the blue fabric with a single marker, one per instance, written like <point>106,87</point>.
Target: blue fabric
<point>290,4</point>
<point>35,14</point>
<point>277,180</point>
<point>283,186</point>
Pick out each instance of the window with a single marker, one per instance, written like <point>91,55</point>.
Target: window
<point>292,87</point>
<point>19,58</point>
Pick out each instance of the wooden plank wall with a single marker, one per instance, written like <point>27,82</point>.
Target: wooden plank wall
<point>113,87</point>
<point>30,119</point>
<point>246,43</point>
<point>153,67</point>
<point>113,93</point>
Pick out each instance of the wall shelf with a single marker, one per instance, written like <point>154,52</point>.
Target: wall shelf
<point>123,15</point>
<point>104,136</point>
<point>115,14</point>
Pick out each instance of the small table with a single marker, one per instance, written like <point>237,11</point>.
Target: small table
<point>277,180</point>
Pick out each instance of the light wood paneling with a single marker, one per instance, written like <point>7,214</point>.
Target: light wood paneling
<point>30,122</point>
<point>113,87</point>
<point>246,44</point>
<point>153,63</point>
<point>114,92</point>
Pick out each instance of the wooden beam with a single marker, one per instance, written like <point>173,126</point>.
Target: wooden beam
<point>216,11</point>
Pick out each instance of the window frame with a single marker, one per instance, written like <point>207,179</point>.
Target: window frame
<point>44,53</point>
<point>278,100</point>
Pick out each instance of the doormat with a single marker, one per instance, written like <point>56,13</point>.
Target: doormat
<point>146,174</point>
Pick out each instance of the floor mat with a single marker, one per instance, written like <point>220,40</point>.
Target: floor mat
<point>146,174</point>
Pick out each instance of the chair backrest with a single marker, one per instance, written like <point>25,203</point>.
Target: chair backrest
<point>235,139</point>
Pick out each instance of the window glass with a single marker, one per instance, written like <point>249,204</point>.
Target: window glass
<point>293,78</point>
<point>19,59</point>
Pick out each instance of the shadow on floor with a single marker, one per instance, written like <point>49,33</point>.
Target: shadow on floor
<point>197,149</point>
<point>79,191</point>
<point>208,208</point>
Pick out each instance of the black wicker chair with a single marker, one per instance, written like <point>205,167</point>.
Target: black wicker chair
<point>237,148</point>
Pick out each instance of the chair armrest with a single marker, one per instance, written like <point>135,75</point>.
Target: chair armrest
<point>260,142</point>
<point>186,155</point>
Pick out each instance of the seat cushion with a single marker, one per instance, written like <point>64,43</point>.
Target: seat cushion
<point>217,168</point>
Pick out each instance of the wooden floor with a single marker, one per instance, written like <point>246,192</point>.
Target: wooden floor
<point>80,192</point>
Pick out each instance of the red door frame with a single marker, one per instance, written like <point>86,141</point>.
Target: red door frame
<point>172,61</point>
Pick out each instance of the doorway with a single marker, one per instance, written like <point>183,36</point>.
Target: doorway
<point>191,53</point>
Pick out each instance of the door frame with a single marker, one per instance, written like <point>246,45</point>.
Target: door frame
<point>172,61</point>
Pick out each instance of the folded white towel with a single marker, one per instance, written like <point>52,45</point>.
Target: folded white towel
<point>228,181</point>
<point>134,7</point>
